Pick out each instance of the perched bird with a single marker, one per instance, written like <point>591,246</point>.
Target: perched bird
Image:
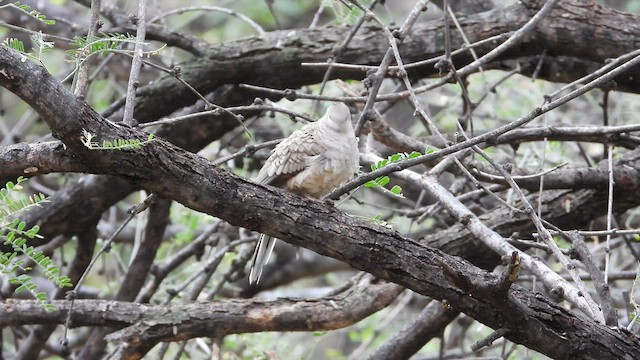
<point>311,162</point>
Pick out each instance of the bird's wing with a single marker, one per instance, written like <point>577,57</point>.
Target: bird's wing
<point>288,158</point>
<point>291,156</point>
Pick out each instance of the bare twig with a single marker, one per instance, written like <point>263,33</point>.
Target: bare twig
<point>141,28</point>
<point>105,248</point>
<point>607,248</point>
<point>223,10</point>
<point>490,339</point>
<point>599,279</point>
<point>82,79</point>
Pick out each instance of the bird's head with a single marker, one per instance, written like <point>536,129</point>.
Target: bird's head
<point>338,117</point>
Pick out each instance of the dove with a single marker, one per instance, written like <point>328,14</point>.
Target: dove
<point>311,162</point>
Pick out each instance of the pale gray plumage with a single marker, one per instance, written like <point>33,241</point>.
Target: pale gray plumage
<point>312,161</point>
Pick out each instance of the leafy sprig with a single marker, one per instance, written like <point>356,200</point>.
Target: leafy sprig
<point>16,234</point>
<point>84,47</point>
<point>39,46</point>
<point>26,9</point>
<point>116,144</point>
<point>382,181</point>
<point>9,206</point>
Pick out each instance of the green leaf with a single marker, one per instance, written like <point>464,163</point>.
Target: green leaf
<point>382,181</point>
<point>396,189</point>
<point>14,44</point>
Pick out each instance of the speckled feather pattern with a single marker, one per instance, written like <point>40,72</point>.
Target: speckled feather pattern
<point>317,158</point>
<point>312,161</point>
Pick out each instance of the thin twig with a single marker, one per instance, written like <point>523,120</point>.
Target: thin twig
<point>393,68</point>
<point>599,279</point>
<point>598,73</point>
<point>340,48</point>
<point>490,339</point>
<point>247,149</point>
<point>71,295</point>
<point>216,112</point>
<point>230,12</point>
<point>393,39</point>
<point>141,29</point>
<point>82,78</point>
<point>607,248</point>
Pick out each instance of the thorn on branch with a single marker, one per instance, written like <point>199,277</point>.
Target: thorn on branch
<point>490,339</point>
<point>446,304</point>
<point>510,275</point>
<point>140,207</point>
<point>370,79</point>
<point>443,66</point>
<point>134,19</point>
<point>465,219</point>
<point>401,73</point>
<point>454,277</point>
<point>250,149</point>
<point>369,116</point>
<point>172,292</point>
<point>290,94</point>
<point>609,85</point>
<point>557,293</point>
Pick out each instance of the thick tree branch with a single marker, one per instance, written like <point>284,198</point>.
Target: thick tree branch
<point>154,323</point>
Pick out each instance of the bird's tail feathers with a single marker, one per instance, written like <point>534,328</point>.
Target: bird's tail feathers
<point>261,256</point>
